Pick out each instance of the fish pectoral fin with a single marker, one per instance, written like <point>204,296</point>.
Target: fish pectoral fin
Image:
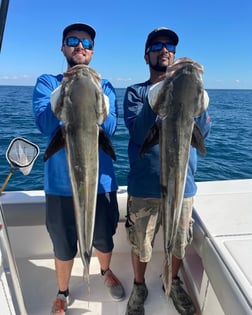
<point>198,140</point>
<point>105,144</point>
<point>57,143</point>
<point>151,139</point>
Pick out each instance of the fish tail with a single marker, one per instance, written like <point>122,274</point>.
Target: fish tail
<point>87,280</point>
<point>167,277</point>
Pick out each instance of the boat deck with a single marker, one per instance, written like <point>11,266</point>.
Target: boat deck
<point>39,284</point>
<point>40,287</point>
<point>216,269</point>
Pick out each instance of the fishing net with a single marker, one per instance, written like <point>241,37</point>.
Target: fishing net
<point>22,154</point>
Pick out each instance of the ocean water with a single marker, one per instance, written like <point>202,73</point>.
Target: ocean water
<point>229,145</point>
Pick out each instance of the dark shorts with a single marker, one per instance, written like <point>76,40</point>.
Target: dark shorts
<point>60,223</point>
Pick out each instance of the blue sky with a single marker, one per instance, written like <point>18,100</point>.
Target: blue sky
<point>215,33</point>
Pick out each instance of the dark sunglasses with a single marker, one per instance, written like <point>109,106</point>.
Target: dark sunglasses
<point>159,46</point>
<point>74,42</point>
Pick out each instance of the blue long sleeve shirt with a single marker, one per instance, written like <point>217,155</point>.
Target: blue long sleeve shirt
<point>56,179</point>
<point>144,174</point>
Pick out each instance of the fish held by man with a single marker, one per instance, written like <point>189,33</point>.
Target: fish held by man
<point>82,109</point>
<point>179,101</point>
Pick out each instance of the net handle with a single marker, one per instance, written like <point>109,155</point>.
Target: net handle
<point>6,182</point>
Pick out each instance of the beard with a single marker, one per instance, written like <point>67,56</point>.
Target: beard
<point>73,62</point>
<point>158,67</point>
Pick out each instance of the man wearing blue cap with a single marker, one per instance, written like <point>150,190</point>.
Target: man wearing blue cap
<point>144,202</point>
<point>78,48</point>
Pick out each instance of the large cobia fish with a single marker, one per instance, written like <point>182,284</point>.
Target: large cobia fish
<point>81,107</point>
<point>179,101</point>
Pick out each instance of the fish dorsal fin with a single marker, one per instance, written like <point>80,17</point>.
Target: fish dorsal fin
<point>57,143</point>
<point>151,139</point>
<point>105,144</point>
<point>198,140</point>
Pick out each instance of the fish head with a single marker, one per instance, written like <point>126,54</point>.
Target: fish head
<point>184,85</point>
<point>187,74</point>
<point>69,91</point>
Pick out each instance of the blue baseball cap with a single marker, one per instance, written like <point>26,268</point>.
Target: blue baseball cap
<point>161,31</point>
<point>79,27</point>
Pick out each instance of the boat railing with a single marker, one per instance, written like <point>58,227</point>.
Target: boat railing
<point>9,265</point>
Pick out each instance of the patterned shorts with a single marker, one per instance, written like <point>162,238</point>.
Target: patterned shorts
<point>143,222</point>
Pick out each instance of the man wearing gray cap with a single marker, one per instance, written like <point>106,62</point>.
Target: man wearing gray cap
<point>78,48</point>
<point>143,209</point>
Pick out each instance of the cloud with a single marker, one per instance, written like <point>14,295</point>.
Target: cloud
<point>123,79</point>
<point>22,79</point>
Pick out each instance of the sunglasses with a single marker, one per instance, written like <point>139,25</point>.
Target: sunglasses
<point>74,42</point>
<point>159,46</point>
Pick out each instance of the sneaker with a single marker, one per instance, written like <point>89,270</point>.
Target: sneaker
<point>181,300</point>
<point>136,301</point>
<point>60,304</point>
<point>114,286</point>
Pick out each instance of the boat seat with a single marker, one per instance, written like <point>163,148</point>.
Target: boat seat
<point>223,240</point>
